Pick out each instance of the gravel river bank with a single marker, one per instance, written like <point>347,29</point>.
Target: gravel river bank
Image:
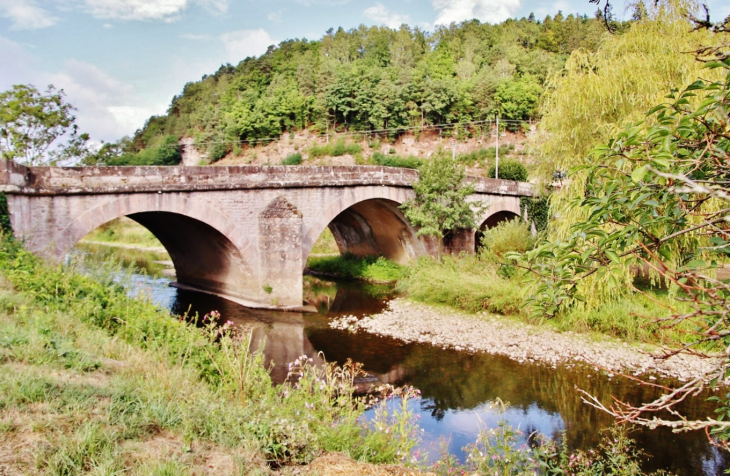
<point>415,322</point>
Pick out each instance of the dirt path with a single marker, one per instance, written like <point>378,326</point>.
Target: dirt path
<point>415,322</point>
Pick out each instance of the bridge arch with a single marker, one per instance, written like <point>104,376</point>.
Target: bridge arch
<point>367,222</point>
<point>498,212</point>
<point>206,247</point>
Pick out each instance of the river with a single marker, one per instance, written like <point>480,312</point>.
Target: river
<point>457,387</point>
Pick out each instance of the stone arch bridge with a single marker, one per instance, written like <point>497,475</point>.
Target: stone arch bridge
<point>243,233</point>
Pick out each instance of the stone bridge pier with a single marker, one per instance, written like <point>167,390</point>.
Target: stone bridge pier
<point>243,233</point>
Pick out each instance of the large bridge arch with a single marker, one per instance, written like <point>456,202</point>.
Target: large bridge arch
<point>207,249</point>
<point>367,221</point>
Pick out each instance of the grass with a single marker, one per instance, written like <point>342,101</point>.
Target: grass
<point>369,268</point>
<point>292,159</point>
<point>124,231</point>
<point>474,284</point>
<point>465,283</point>
<point>92,381</point>
<point>325,244</point>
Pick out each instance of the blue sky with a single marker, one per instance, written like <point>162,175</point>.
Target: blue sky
<point>120,61</point>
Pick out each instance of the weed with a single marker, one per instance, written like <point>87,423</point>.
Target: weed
<point>292,159</point>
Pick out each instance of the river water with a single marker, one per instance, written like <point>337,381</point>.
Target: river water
<point>457,387</point>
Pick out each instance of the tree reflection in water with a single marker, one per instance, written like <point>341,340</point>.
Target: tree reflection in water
<point>457,387</point>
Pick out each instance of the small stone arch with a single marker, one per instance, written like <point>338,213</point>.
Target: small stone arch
<point>368,222</point>
<point>497,213</point>
<point>206,247</point>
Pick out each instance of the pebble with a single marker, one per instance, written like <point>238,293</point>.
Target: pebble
<point>416,322</point>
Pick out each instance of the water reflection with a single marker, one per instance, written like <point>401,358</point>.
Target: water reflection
<point>457,387</point>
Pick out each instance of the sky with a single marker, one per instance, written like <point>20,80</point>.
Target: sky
<point>121,61</point>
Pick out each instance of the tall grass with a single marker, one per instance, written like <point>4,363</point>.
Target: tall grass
<point>110,371</point>
<point>465,283</point>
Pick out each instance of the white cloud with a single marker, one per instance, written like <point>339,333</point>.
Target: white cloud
<point>167,10</point>
<point>107,108</point>
<point>274,17</point>
<point>243,43</point>
<point>383,16</point>
<point>492,11</point>
<point>17,65</point>
<point>26,15</point>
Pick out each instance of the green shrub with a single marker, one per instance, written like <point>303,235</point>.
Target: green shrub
<point>217,151</point>
<point>510,235</point>
<point>396,161</point>
<point>339,148</point>
<point>320,151</point>
<point>509,170</point>
<point>292,159</point>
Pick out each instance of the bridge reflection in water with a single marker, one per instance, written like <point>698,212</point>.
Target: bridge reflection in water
<point>457,387</point>
<point>284,336</point>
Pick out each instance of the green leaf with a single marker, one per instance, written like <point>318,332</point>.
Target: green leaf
<point>638,174</point>
<point>612,255</point>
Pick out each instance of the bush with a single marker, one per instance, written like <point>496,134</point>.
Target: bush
<point>510,235</point>
<point>396,161</point>
<point>217,151</point>
<point>319,151</point>
<point>292,159</point>
<point>509,170</point>
<point>480,155</point>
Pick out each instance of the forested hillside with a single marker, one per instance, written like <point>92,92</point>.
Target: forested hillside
<point>367,79</point>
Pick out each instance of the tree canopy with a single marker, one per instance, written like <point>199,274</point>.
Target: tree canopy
<point>33,125</point>
<point>372,78</point>
<point>440,204</point>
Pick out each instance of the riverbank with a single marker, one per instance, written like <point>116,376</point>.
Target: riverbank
<point>125,246</point>
<point>482,332</point>
<point>93,381</point>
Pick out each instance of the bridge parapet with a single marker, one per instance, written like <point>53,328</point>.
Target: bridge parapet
<point>101,180</point>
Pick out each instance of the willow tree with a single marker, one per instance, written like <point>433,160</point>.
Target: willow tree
<point>597,94</point>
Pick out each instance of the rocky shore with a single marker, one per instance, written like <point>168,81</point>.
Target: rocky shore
<point>414,322</point>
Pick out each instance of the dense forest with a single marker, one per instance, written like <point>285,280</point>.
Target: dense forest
<point>365,79</point>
